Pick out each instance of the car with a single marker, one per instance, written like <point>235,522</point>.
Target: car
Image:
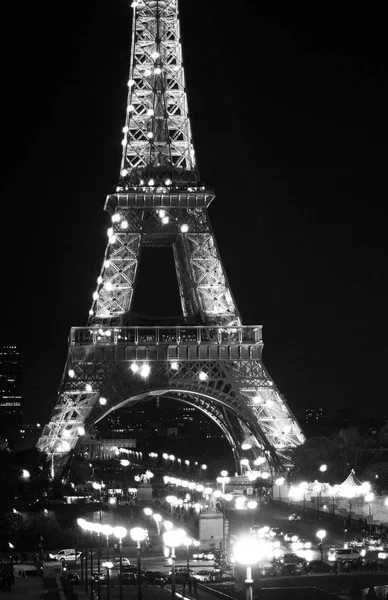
<point>74,577</point>
<point>67,555</point>
<point>181,574</point>
<point>204,555</point>
<point>268,571</point>
<point>275,532</point>
<point>204,576</point>
<point>341,554</point>
<point>304,543</point>
<point>294,517</point>
<point>129,578</point>
<point>292,569</point>
<point>356,543</point>
<point>125,563</point>
<point>291,537</point>
<point>318,566</point>
<point>156,578</point>
<point>101,576</point>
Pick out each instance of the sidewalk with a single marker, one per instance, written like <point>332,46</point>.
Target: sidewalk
<point>148,593</point>
<point>25,589</point>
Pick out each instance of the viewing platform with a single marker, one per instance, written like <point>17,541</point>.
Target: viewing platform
<point>166,335</point>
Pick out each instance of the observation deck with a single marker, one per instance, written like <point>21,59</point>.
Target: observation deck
<point>159,197</point>
<point>166,342</point>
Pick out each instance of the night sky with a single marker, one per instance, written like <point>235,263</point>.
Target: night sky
<point>288,112</point>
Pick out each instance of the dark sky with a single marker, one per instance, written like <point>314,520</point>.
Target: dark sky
<point>289,122</point>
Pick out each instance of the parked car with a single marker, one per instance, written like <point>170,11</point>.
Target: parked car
<point>204,576</point>
<point>318,566</point>
<point>203,555</point>
<point>294,517</point>
<point>180,574</point>
<point>292,569</point>
<point>129,578</point>
<point>156,578</point>
<point>268,571</point>
<point>356,543</point>
<point>67,555</point>
<point>100,576</point>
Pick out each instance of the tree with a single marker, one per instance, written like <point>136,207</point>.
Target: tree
<point>312,454</point>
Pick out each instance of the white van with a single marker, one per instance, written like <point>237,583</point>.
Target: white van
<point>342,554</point>
<point>67,555</point>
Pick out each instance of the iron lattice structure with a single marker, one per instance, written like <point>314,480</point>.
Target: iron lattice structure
<point>209,360</point>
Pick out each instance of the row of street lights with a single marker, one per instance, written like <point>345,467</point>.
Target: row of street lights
<point>137,534</point>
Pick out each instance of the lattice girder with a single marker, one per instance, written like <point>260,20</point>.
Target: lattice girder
<point>157,130</point>
<point>203,286</point>
<point>196,369</point>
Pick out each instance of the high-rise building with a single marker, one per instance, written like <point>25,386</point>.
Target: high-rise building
<point>315,418</point>
<point>10,391</point>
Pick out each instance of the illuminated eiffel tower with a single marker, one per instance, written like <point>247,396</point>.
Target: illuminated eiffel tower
<point>209,360</point>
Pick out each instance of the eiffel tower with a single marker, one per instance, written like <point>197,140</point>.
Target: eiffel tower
<point>209,360</point>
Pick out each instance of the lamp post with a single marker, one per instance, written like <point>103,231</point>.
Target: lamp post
<point>125,463</point>
<point>157,518</point>
<point>172,539</point>
<point>107,530</point>
<point>279,482</point>
<point>120,533</point>
<point>369,498</point>
<point>148,512</point>
<point>252,505</point>
<point>317,488</point>
<point>108,565</point>
<point>172,501</point>
<point>138,534</point>
<point>320,535</point>
<point>187,541</point>
<point>247,552</point>
<point>323,469</point>
<point>84,526</point>
<point>98,486</point>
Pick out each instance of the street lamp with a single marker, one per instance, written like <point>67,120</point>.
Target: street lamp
<point>107,530</point>
<point>321,534</point>
<point>317,488</point>
<point>172,539</point>
<point>369,497</point>
<point>108,565</point>
<point>138,534</point>
<point>323,469</point>
<point>187,541</point>
<point>223,479</point>
<point>98,486</point>
<point>119,533</point>
<point>247,552</point>
<point>172,500</point>
<point>252,505</point>
<point>157,518</point>
<point>97,527</point>
<point>124,462</point>
<point>279,482</point>
<point>84,526</point>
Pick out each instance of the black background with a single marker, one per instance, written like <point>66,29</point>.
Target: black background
<point>288,113</point>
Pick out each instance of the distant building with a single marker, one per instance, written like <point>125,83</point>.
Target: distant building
<point>315,419</point>
<point>10,392</point>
